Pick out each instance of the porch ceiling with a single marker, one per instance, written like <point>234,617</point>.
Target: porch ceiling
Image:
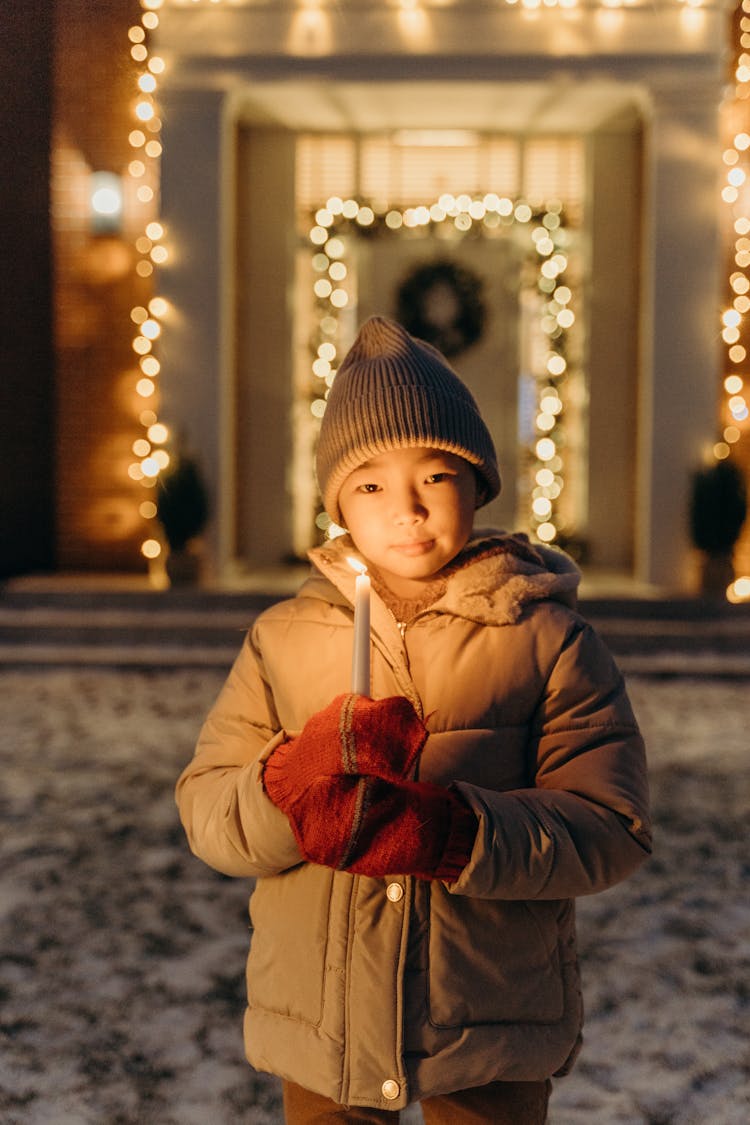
<point>491,107</point>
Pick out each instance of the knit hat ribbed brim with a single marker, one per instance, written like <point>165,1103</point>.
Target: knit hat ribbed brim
<point>393,391</point>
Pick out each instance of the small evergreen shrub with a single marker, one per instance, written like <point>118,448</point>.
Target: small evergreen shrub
<point>181,502</point>
<point>718,508</point>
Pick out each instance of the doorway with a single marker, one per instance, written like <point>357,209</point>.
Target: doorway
<point>285,177</point>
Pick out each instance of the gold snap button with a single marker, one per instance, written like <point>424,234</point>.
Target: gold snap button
<point>390,1089</point>
<point>394,892</point>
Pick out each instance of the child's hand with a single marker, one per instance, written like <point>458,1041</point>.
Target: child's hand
<point>353,735</point>
<point>373,827</point>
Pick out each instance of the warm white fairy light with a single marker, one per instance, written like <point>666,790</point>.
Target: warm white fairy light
<point>739,591</point>
<point>402,8</point>
<point>556,319</point>
<point>151,548</point>
<point>736,161</point>
<point>329,237</point>
<point>152,457</point>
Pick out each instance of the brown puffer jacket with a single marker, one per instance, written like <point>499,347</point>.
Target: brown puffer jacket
<point>383,991</point>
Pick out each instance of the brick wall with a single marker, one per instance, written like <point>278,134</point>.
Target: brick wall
<point>26,357</point>
<point>98,526</point>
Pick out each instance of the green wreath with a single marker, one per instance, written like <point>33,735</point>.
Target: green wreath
<point>442,303</point>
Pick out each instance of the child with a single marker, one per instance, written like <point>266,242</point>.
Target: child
<point>417,852</point>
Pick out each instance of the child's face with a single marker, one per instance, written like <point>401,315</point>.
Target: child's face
<point>409,512</point>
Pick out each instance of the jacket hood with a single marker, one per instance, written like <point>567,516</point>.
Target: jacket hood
<point>490,582</point>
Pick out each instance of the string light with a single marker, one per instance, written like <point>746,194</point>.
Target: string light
<point>329,237</point>
<point>143,169</point>
<point>734,411</point>
<point>334,283</point>
<point>421,7</point>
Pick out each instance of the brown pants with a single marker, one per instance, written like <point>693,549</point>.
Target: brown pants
<point>500,1103</point>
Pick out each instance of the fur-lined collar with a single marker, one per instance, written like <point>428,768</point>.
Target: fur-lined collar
<point>490,582</point>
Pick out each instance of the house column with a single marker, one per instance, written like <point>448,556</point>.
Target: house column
<point>195,347</point>
<point>680,336</point>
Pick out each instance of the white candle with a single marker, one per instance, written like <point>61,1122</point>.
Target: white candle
<point>361,649</point>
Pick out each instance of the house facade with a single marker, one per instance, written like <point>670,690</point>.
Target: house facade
<point>491,138</point>
<point>553,193</point>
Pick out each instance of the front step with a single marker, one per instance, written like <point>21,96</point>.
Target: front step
<point>206,628</point>
<point>122,628</point>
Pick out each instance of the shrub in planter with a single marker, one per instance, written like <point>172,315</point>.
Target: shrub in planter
<point>718,508</point>
<point>182,511</point>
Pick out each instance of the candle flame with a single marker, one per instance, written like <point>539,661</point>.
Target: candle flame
<point>356,564</point>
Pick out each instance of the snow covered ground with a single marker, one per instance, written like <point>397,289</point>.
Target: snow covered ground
<point>122,957</point>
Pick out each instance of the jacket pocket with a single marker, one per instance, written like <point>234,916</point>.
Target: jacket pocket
<point>289,914</point>
<point>493,961</point>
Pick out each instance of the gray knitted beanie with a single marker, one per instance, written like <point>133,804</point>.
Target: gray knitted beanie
<point>393,391</point>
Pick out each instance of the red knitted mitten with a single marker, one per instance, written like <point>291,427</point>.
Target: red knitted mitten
<point>353,735</point>
<point>373,827</point>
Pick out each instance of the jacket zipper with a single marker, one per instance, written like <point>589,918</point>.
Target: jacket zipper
<point>407,685</point>
<point>351,925</point>
<point>402,626</point>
